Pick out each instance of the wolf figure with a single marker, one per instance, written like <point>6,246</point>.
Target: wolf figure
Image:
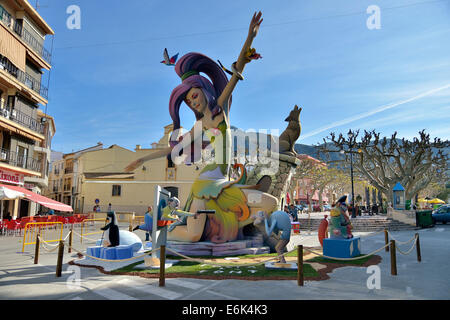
<point>292,133</point>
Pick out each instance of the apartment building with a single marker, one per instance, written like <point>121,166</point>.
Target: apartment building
<point>64,178</point>
<point>25,131</point>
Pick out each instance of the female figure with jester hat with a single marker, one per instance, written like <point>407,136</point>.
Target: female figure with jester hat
<point>210,100</point>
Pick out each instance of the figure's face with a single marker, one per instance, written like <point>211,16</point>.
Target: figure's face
<point>196,100</point>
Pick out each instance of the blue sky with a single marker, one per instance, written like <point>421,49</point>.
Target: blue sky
<point>108,85</point>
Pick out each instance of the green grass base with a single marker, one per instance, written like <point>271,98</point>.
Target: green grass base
<point>193,268</point>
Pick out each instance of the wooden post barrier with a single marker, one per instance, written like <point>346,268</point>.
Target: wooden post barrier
<point>36,250</point>
<point>300,279</point>
<point>162,266</point>
<point>130,228</point>
<point>386,239</point>
<point>393,259</point>
<point>419,256</point>
<point>69,250</point>
<point>60,259</point>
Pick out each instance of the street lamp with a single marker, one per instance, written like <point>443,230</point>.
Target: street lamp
<point>351,145</point>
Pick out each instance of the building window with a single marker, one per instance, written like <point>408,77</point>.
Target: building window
<point>116,190</point>
<point>173,191</point>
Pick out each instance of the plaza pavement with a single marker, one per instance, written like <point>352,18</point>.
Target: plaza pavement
<point>429,279</point>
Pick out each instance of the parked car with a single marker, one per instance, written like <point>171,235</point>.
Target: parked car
<point>442,214</point>
<point>326,207</point>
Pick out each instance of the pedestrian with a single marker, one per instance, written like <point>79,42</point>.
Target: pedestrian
<point>109,207</point>
<point>293,211</point>
<point>8,216</point>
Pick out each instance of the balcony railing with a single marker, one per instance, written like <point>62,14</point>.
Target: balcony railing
<point>24,77</point>
<point>32,41</point>
<point>5,16</point>
<point>23,119</point>
<point>14,159</point>
<point>68,170</point>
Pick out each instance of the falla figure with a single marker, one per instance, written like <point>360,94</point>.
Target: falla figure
<point>213,189</point>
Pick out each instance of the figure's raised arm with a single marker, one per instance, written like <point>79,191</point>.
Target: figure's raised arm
<point>192,136</point>
<point>242,59</point>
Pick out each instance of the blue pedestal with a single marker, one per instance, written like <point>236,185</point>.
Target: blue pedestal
<point>112,253</point>
<point>94,251</point>
<point>108,253</point>
<point>124,252</point>
<point>342,248</point>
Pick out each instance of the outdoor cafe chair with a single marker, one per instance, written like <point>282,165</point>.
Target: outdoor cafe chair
<point>12,227</point>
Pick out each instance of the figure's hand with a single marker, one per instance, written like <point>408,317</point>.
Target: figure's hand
<point>254,24</point>
<point>132,166</point>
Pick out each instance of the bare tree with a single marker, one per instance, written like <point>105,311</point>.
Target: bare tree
<point>383,162</point>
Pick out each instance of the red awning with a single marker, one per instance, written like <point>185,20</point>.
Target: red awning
<point>44,201</point>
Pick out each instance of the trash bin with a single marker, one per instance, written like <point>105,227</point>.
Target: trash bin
<point>424,219</point>
<point>408,204</point>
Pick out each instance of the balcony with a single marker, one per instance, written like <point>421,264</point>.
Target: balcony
<point>14,159</point>
<point>68,170</point>
<point>23,77</point>
<point>29,39</point>
<point>5,16</point>
<point>22,119</point>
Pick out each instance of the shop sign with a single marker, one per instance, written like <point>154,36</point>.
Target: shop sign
<point>11,177</point>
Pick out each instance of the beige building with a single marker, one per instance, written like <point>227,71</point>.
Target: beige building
<point>99,174</point>
<point>25,131</point>
<point>64,178</point>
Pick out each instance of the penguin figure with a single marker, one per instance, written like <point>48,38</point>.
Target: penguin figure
<point>112,230</point>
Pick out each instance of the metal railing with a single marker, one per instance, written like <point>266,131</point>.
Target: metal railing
<point>5,16</point>
<point>22,118</point>
<point>32,83</point>
<point>13,158</point>
<point>32,41</point>
<point>23,77</point>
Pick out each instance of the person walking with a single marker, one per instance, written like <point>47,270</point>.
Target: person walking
<point>293,211</point>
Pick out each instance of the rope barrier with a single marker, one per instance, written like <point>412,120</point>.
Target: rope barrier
<point>55,246</point>
<point>225,264</point>
<point>400,242</point>
<point>348,259</point>
<point>46,249</point>
<point>410,250</point>
<point>119,260</point>
<point>84,237</point>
